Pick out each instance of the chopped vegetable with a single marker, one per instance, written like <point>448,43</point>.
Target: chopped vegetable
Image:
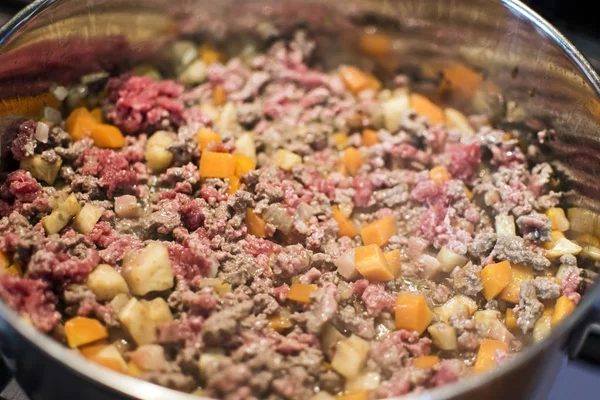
<point>443,336</point>
<point>357,80</point>
<point>542,328</point>
<point>379,232</point>
<point>558,218</point>
<point>439,174</point>
<point>209,54</point>
<point>511,319</point>
<point>360,395</point>
<point>457,304</point>
<point>194,73</point>
<point>554,238</point>
<point>208,360</point>
<point>28,106</point>
<point>347,226</point>
<point>243,164</point>
<point>457,120</point>
<point>256,225</point>
<point>60,217</point>
<point>157,154</point>
<point>216,165</point>
<point>110,357</point>
<point>425,108</point>
<point>412,312</point>
<point>563,246</point>
<point>86,219</point>
<point>518,274</point>
<point>219,96</point>
<point>369,137</point>
<point>138,323</point>
<point>106,282</point>
<point>286,160</point>
<point>205,137</point>
<point>126,206</point>
<point>148,270</point>
<point>106,136</point>
<point>393,262</point>
<point>4,261</point>
<point>426,361</point>
<point>234,185</point>
<point>330,339</point>
<point>96,113</point>
<point>371,263</point>
<point>564,307</point>
<point>353,160</point>
<point>158,309</point>
<point>495,278</point>
<point>505,225</point>
<point>486,356</point>
<point>394,108</point>
<point>82,330</point>
<point>245,145</point>
<point>149,357</point>
<point>375,44</point>
<point>449,259</point>
<point>461,80</point>
<point>340,139</point>
<point>41,169</point>
<point>346,265</point>
<point>227,119</point>
<point>280,322</point>
<point>367,381</point>
<point>300,292</point>
<point>350,357</point>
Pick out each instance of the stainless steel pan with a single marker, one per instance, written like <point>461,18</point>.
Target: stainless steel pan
<point>536,78</point>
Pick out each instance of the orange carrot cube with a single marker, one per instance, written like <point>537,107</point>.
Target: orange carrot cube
<point>219,96</point>
<point>206,136</point>
<point>461,80</point>
<point>369,137</point>
<point>412,312</point>
<point>357,80</point>
<point>96,113</point>
<point>209,54</point>
<point>393,262</point>
<point>439,174</point>
<point>379,232</point>
<point>375,44</point>
<point>243,165</point>
<point>495,278</point>
<point>564,306</point>
<point>79,123</point>
<point>511,319</point>
<point>300,292</point>
<point>486,356</point>
<point>82,330</point>
<point>216,165</point>
<point>426,108</point>
<point>518,274</point>
<point>353,160</point>
<point>107,136</point>
<point>426,361</point>
<point>234,185</point>
<point>347,227</point>
<point>371,263</point>
<point>256,225</point>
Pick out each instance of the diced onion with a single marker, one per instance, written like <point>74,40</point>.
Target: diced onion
<point>41,132</point>
<point>366,381</point>
<point>394,108</point>
<point>194,73</point>
<point>449,259</point>
<point>52,115</point>
<point>542,328</point>
<point>346,265</point>
<point>505,225</point>
<point>60,92</point>
<point>563,246</point>
<point>443,336</point>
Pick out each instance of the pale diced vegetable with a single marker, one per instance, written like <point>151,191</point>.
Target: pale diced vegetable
<point>563,246</point>
<point>330,339</point>
<point>350,357</point>
<point>443,336</point>
<point>52,115</point>
<point>110,357</point>
<point>127,206</point>
<point>459,303</point>
<point>542,328</point>
<point>137,322</point>
<point>449,259</point>
<point>245,145</point>
<point>505,225</point>
<point>457,120</point>
<point>149,357</point>
<point>194,73</point>
<point>86,218</point>
<point>42,131</point>
<point>208,361</point>
<point>157,155</point>
<point>228,118</point>
<point>148,270</point>
<point>346,265</point>
<point>106,283</point>
<point>394,108</point>
<point>60,217</point>
<point>158,309</point>
<point>286,160</point>
<point>558,218</point>
<point>119,302</point>
<point>41,169</point>
<point>366,381</point>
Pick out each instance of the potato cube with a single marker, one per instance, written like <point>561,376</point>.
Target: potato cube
<point>542,328</point>
<point>558,218</point>
<point>563,246</point>
<point>457,120</point>
<point>208,361</point>
<point>366,381</point>
<point>449,259</point>
<point>457,304</point>
<point>60,217</point>
<point>86,219</point>
<point>350,357</point>
<point>245,145</point>
<point>394,108</point>
<point>157,155</point>
<point>137,322</point>
<point>110,357</point>
<point>159,310</point>
<point>127,206</point>
<point>106,283</point>
<point>443,336</point>
<point>148,270</point>
<point>119,302</point>
<point>41,169</point>
<point>286,160</point>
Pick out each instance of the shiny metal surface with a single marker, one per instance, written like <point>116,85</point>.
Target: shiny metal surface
<point>533,77</point>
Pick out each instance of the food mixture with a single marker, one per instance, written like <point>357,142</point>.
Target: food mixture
<point>261,229</point>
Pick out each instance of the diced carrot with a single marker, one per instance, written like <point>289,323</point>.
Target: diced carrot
<point>300,292</point>
<point>206,136</point>
<point>79,123</point>
<point>495,278</point>
<point>369,137</point>
<point>486,356</point>
<point>28,106</point>
<point>555,235</point>
<point>379,232</point>
<point>353,160</point>
<point>357,80</point>
<point>219,96</point>
<point>468,193</point>
<point>4,261</point>
<point>340,167</point>
<point>234,184</point>
<point>280,323</point>
<point>347,226</point>
<point>356,395</point>
<point>209,54</point>
<point>15,269</point>
<point>511,319</point>
<point>133,369</point>
<point>216,165</point>
<point>375,44</point>
<point>110,357</point>
<point>371,263</point>
<point>425,107</point>
<point>412,312</point>
<point>90,350</point>
<point>393,262</point>
<point>107,136</point>
<point>96,113</point>
<point>518,274</point>
<point>426,361</point>
<point>439,174</point>
<point>82,330</point>
<point>256,225</point>
<point>461,80</point>
<point>564,306</point>
<point>243,165</point>
<point>340,139</point>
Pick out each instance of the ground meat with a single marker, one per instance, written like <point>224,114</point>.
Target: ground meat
<point>171,380</point>
<point>530,309</point>
<point>347,320</point>
<point>24,144</point>
<point>571,281</point>
<point>322,309</point>
<point>514,249</point>
<point>291,261</point>
<point>20,186</point>
<point>448,371</point>
<point>391,353</point>
<point>546,288</point>
<point>535,227</point>
<point>377,299</point>
<point>482,244</point>
<point>111,168</point>
<point>467,279</point>
<point>463,160</point>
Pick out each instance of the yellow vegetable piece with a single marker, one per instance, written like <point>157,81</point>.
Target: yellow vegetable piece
<point>219,96</point>
<point>439,174</point>
<point>359,395</point>
<point>564,306</point>
<point>15,269</point>
<point>426,361</point>
<point>234,185</point>
<point>347,227</point>
<point>353,160</point>
<point>555,236</point>
<point>256,225</point>
<point>495,278</point>
<point>375,44</point>
<point>511,319</point>
<point>486,356</point>
<point>216,165</point>
<point>519,274</point>
<point>393,262</point>
<point>340,139</point>
<point>300,292</point>
<point>379,232</point>
<point>206,136</point>
<point>357,80</point>
<point>110,357</point>
<point>209,54</point>
<point>425,108</point>
<point>82,330</point>
<point>243,165</point>
<point>371,263</point>
<point>412,312</point>
<point>79,123</point>
<point>559,219</point>
<point>133,369</point>
<point>90,350</point>
<point>96,113</point>
<point>107,136</point>
<point>280,323</point>
<point>468,193</point>
<point>369,137</point>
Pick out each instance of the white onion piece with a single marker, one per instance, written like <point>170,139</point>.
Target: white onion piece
<point>127,207</point>
<point>505,225</point>
<point>60,92</point>
<point>149,357</point>
<point>346,265</point>
<point>367,381</point>
<point>41,132</point>
<point>304,212</point>
<point>430,266</point>
<point>52,115</point>
<point>449,259</point>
